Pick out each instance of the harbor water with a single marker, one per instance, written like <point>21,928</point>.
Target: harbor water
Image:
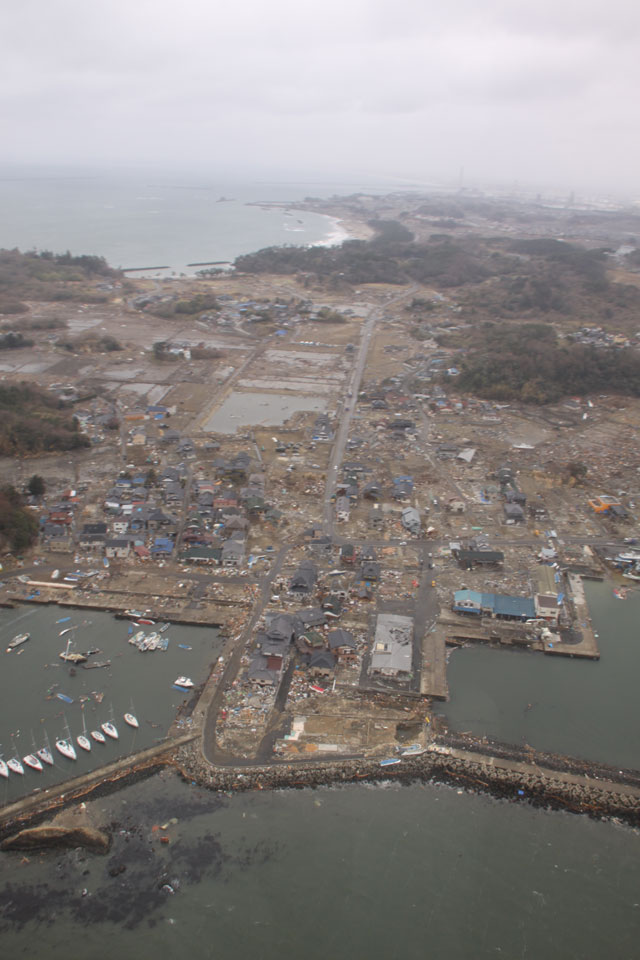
<point>36,687</point>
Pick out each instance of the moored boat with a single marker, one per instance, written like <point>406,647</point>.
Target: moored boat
<point>44,753</point>
<point>66,748</point>
<point>184,682</point>
<point>110,729</point>
<point>98,736</point>
<point>142,621</point>
<point>131,720</point>
<point>83,742</point>
<point>4,769</point>
<point>32,762</point>
<point>15,766</point>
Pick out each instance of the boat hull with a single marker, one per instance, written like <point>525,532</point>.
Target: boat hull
<point>66,748</point>
<point>98,736</point>
<point>110,730</point>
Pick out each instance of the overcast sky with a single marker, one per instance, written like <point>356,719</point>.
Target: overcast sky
<point>539,92</point>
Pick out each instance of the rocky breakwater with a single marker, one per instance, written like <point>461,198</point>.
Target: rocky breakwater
<point>514,779</point>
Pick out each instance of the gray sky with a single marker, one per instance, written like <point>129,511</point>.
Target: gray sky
<point>543,92</point>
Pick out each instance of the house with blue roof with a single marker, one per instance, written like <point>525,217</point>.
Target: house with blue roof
<point>498,605</point>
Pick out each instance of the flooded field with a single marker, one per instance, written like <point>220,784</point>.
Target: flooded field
<point>45,698</point>
<point>266,409</point>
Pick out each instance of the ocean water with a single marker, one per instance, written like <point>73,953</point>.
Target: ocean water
<point>136,220</point>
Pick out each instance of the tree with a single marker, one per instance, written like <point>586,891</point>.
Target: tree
<point>36,486</point>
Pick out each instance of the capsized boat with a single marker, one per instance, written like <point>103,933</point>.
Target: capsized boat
<point>31,761</point>
<point>17,640</point>
<point>66,748</point>
<point>110,729</point>
<point>183,682</point>
<point>15,766</point>
<point>131,720</point>
<point>4,769</point>
<point>98,736</point>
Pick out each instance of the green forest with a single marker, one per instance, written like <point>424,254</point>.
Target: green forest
<point>32,422</point>
<point>529,362</point>
<point>18,527</point>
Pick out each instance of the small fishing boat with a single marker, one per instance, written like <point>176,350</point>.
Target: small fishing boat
<point>184,683</point>
<point>164,627</point>
<point>147,623</point>
<point>32,762</point>
<point>131,720</point>
<point>63,696</point>
<point>15,766</point>
<point>17,640</point>
<point>63,620</point>
<point>98,736</point>
<point>110,729</point>
<point>4,769</point>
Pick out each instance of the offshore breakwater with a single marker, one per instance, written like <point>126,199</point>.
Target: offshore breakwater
<point>545,781</point>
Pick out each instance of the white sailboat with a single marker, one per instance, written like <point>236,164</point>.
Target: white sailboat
<point>15,766</point>
<point>66,747</point>
<point>82,739</point>
<point>109,728</point>
<point>132,720</point>
<point>44,753</point>
<point>98,736</point>
<point>4,769</point>
<point>32,761</point>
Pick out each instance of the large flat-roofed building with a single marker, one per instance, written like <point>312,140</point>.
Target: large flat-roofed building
<point>392,646</point>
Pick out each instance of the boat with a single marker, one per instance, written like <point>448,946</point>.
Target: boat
<point>134,614</point>
<point>65,745</point>
<point>131,720</point>
<point>105,562</point>
<point>4,769</point>
<point>110,729</point>
<point>44,753</point>
<point>144,622</point>
<point>63,696</point>
<point>17,640</point>
<point>15,766</point>
<point>66,748</point>
<point>185,646</point>
<point>164,626</point>
<point>82,739</point>
<point>63,620</point>
<point>66,630</point>
<point>390,762</point>
<point>71,657</point>
<point>98,736</point>
<point>184,683</point>
<point>413,750</point>
<point>31,761</point>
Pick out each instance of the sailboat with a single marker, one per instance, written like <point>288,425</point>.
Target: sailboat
<point>98,736</point>
<point>44,753</point>
<point>32,761</point>
<point>15,766</point>
<point>131,720</point>
<point>110,729</point>
<point>66,747</point>
<point>82,738</point>
<point>4,769</point>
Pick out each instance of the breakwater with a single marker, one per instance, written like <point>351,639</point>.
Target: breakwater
<point>509,774</point>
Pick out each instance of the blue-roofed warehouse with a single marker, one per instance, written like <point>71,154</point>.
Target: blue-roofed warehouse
<point>493,605</point>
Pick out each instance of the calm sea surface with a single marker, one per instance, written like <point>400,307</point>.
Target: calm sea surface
<point>147,221</point>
